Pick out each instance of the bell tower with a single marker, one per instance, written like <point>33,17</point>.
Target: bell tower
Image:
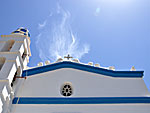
<point>14,57</point>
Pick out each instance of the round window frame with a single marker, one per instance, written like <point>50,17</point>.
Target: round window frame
<point>62,87</point>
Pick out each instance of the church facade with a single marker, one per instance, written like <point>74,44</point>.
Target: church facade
<point>65,86</point>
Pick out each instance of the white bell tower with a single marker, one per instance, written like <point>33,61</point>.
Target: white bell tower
<point>14,56</point>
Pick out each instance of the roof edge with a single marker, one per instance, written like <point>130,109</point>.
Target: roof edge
<point>92,69</point>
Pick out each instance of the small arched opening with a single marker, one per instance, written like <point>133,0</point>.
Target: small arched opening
<point>8,45</point>
<point>2,61</point>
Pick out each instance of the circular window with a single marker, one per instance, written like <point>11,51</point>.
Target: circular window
<point>66,89</point>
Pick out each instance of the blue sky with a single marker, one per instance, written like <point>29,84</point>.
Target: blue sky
<point>109,32</point>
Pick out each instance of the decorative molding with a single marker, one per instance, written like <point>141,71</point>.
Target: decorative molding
<point>4,80</point>
<point>3,41</point>
<point>19,41</point>
<point>81,100</point>
<point>15,41</point>
<point>9,52</point>
<point>13,36</point>
<point>92,69</point>
<point>10,60</point>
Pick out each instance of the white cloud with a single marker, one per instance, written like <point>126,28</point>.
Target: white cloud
<point>56,38</point>
<point>40,26</point>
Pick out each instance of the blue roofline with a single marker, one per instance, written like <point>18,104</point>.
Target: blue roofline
<point>80,100</point>
<point>68,64</point>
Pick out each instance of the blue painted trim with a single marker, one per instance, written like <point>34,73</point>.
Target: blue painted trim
<point>81,100</point>
<point>82,67</point>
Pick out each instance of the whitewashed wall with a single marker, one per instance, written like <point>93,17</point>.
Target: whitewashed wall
<point>85,84</point>
<point>12,63</point>
<point>103,108</point>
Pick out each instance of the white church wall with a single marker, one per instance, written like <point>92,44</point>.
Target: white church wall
<point>18,63</point>
<point>5,93</point>
<point>11,49</point>
<point>11,58</point>
<point>8,71</point>
<point>4,86</point>
<point>21,46</point>
<point>5,39</point>
<point>25,61</point>
<point>2,61</point>
<point>9,55</point>
<point>2,44</point>
<point>18,47</point>
<point>7,45</point>
<point>17,44</point>
<point>1,105</point>
<point>82,108</point>
<point>5,96</point>
<point>26,46</point>
<point>84,84</point>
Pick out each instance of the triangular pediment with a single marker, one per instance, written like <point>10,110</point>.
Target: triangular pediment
<point>83,67</point>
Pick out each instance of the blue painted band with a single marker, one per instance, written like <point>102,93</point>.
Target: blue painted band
<point>81,100</point>
<point>82,67</point>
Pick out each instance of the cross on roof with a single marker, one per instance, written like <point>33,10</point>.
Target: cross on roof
<point>68,57</point>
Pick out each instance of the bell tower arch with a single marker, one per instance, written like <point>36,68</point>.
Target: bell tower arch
<point>14,57</point>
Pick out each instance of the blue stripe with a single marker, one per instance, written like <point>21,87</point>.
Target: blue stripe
<point>81,100</point>
<point>82,67</point>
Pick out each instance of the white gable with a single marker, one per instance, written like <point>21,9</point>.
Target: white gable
<point>84,84</point>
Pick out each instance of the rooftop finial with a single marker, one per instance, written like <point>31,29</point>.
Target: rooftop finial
<point>132,68</point>
<point>68,57</point>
